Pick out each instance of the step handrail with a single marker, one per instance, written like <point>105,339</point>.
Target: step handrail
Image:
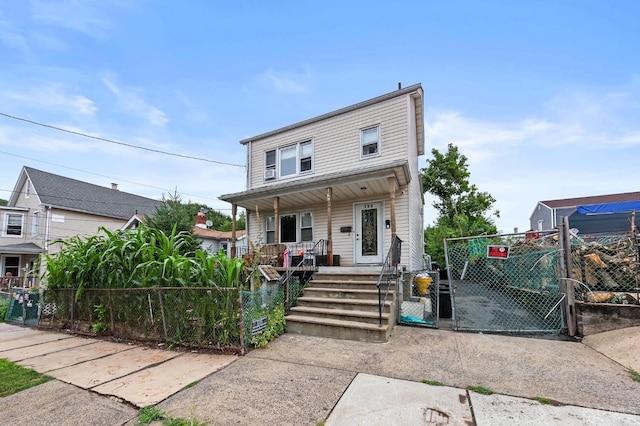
<point>284,279</point>
<point>388,273</point>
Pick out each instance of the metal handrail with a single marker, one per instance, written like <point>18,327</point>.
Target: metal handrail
<point>290,271</point>
<point>388,273</point>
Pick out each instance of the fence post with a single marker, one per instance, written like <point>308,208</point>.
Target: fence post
<point>164,321</point>
<point>570,308</point>
<point>111,318</point>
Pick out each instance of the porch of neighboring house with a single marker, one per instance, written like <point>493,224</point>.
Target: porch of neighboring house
<point>19,263</point>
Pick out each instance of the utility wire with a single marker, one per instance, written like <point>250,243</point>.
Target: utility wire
<point>120,143</point>
<point>169,191</point>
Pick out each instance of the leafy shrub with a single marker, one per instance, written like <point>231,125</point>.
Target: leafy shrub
<point>276,326</point>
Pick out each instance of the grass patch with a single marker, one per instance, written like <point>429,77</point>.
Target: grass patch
<point>431,382</point>
<point>635,376</point>
<point>480,389</point>
<point>14,378</point>
<point>543,400</point>
<point>190,385</point>
<point>150,414</point>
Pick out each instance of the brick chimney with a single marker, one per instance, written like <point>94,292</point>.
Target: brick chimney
<point>201,220</point>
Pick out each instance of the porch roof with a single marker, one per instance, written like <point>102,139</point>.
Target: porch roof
<point>349,184</point>
<point>23,248</point>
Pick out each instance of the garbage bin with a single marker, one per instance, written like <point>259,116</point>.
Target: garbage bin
<point>444,304</point>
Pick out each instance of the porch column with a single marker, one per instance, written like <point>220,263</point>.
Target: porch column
<point>234,210</point>
<point>392,196</point>
<point>329,238</point>
<point>276,220</point>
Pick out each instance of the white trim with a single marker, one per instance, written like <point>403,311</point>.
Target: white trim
<point>5,225</point>
<point>378,142</point>
<point>358,258</point>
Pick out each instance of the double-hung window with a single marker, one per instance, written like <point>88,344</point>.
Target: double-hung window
<point>370,142</point>
<point>270,228</point>
<point>289,161</point>
<point>13,224</point>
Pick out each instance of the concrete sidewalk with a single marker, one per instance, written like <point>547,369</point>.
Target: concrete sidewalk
<point>304,380</point>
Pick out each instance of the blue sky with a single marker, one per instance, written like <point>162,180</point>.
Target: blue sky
<point>543,97</point>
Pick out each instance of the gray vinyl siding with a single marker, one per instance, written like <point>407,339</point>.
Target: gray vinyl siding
<point>343,132</point>
<point>77,224</point>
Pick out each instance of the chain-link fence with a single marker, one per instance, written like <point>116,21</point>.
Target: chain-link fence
<point>418,298</point>
<point>258,307</point>
<point>22,305</point>
<point>203,317</point>
<point>605,268</point>
<point>506,283</point>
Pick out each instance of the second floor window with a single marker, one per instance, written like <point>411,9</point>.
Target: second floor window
<point>369,142</point>
<point>289,161</point>
<point>13,224</point>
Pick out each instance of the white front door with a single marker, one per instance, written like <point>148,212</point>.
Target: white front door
<point>368,220</point>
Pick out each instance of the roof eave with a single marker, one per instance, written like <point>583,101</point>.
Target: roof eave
<point>354,107</point>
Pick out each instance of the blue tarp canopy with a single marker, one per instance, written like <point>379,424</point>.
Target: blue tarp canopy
<point>621,207</point>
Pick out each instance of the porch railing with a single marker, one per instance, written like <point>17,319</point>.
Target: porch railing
<point>388,273</point>
<point>299,252</point>
<point>288,302</point>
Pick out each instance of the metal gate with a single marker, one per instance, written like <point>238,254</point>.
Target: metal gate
<point>506,283</point>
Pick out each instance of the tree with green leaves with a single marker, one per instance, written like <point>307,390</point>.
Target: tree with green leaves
<point>175,217</point>
<point>463,210</point>
<point>3,202</point>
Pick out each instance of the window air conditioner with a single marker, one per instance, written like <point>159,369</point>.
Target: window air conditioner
<point>270,174</point>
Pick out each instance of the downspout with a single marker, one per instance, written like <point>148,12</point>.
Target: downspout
<point>47,229</point>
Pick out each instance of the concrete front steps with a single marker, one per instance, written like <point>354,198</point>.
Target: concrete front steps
<point>342,303</point>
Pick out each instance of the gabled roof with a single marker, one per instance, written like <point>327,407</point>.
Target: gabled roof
<point>596,199</point>
<point>71,194</point>
<point>416,89</point>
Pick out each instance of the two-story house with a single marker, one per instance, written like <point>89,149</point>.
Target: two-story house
<point>349,177</point>
<point>45,207</point>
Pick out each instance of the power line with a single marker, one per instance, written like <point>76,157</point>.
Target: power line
<point>106,176</point>
<point>120,143</point>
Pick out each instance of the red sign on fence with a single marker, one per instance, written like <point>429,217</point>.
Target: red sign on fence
<point>497,252</point>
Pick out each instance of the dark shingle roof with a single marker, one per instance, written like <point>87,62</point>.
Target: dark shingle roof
<point>66,193</point>
<point>596,199</point>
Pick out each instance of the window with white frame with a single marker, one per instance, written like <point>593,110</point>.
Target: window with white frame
<point>270,229</point>
<point>13,224</point>
<point>34,223</point>
<point>270,165</point>
<point>370,142</point>
<point>306,226</point>
<point>294,227</point>
<point>27,190</point>
<point>288,161</point>
<point>289,228</point>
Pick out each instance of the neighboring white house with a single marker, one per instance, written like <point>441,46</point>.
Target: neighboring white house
<point>211,240</point>
<point>348,179</point>
<point>45,207</point>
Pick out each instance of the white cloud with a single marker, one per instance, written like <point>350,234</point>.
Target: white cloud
<point>580,143</point>
<point>90,17</point>
<point>53,96</point>
<point>287,82</point>
<point>131,101</point>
